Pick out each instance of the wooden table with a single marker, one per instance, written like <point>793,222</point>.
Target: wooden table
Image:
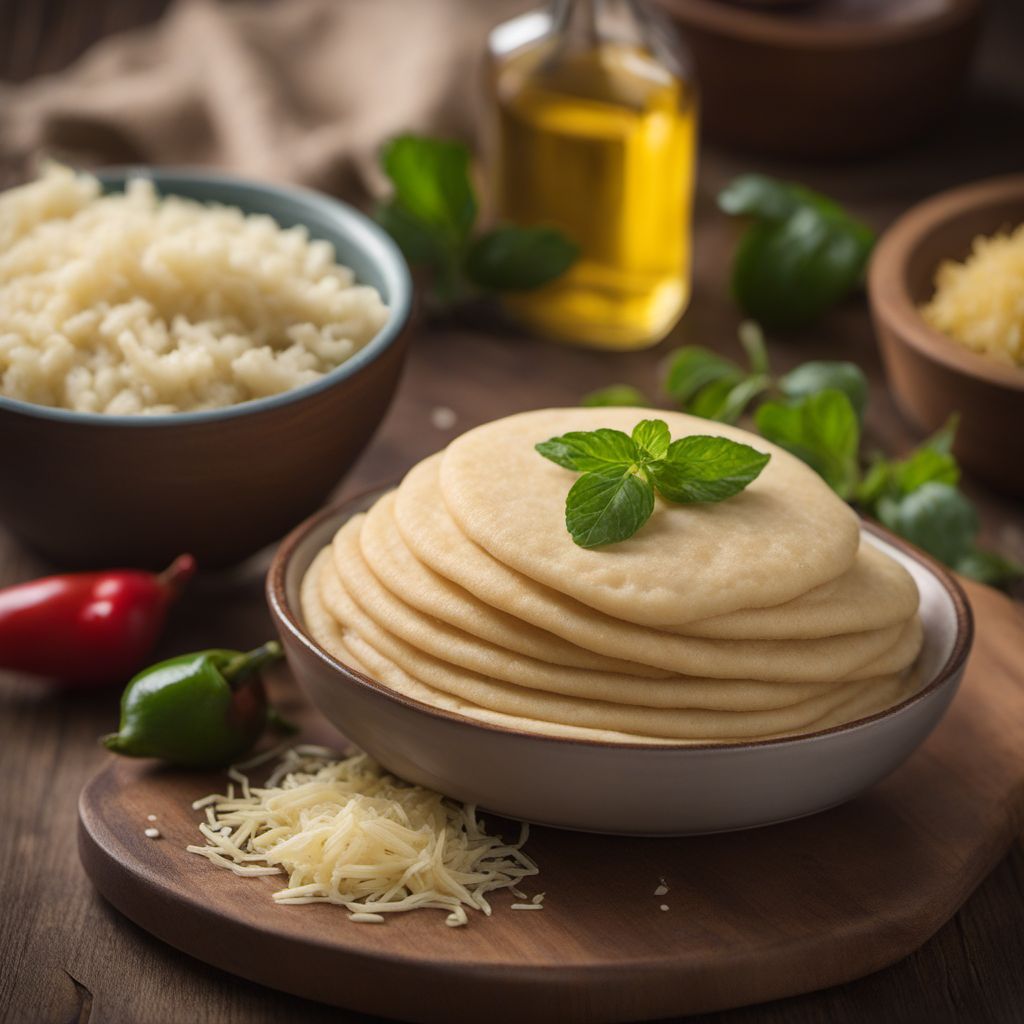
<point>66,956</point>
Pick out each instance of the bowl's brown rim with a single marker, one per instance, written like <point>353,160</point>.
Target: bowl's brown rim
<point>277,601</point>
<point>889,294</point>
<point>770,28</point>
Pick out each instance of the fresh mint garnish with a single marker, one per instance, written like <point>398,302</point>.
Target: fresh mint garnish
<point>621,472</point>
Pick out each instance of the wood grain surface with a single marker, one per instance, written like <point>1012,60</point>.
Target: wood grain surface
<point>749,916</point>
<point>66,956</point>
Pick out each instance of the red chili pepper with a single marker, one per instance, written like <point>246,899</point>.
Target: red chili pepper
<point>89,627</point>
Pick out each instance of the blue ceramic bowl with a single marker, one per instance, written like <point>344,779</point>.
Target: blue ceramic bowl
<point>91,489</point>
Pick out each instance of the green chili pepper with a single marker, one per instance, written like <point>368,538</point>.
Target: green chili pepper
<point>198,710</point>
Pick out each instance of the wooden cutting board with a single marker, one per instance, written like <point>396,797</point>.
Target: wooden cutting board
<point>751,916</point>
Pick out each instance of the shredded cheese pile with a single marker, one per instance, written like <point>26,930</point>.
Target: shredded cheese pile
<point>980,302</point>
<point>346,832</point>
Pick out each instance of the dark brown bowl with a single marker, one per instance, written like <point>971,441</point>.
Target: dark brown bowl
<point>94,490</point>
<point>930,375</point>
<point>828,79</point>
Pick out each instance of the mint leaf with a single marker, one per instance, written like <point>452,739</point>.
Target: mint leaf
<point>801,254</point>
<point>822,430</point>
<point>607,505</point>
<point>702,468</point>
<point>693,368</point>
<point>591,450</point>
<point>432,182</point>
<point>511,258</point>
<point>615,495</point>
<point>935,517</point>
<point>652,438</point>
<point>752,340</point>
<point>615,395</point>
<point>819,375</point>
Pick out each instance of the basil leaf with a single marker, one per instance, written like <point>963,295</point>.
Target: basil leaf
<point>787,273</point>
<point>820,429</point>
<point>935,517</point>
<point>607,505</point>
<point>693,368</point>
<point>616,394</point>
<point>585,450</point>
<point>511,258</point>
<point>432,182</point>
<point>702,468</point>
<point>652,437</point>
<point>989,567</point>
<point>818,375</point>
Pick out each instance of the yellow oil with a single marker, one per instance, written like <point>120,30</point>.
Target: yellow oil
<point>600,143</point>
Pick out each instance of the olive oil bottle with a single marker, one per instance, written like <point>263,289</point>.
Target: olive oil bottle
<point>595,133</point>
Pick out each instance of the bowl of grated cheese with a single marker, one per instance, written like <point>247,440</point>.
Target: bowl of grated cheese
<point>946,287</point>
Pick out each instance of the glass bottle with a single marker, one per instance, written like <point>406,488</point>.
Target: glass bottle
<point>596,134</point>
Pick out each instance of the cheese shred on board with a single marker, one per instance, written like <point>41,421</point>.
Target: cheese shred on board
<point>346,832</point>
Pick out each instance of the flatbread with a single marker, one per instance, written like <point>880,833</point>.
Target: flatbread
<point>447,644</point>
<point>876,592</point>
<point>787,533</point>
<point>352,650</point>
<point>530,705</point>
<point>391,562</point>
<point>433,536</point>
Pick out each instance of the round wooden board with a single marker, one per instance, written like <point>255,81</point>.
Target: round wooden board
<point>752,916</point>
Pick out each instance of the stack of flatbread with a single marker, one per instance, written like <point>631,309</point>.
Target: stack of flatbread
<point>761,616</point>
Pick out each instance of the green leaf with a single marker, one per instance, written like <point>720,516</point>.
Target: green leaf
<point>752,340</point>
<point>432,182</point>
<point>584,450</point>
<point>809,378</point>
<point>935,517</point>
<point>692,368</point>
<point>511,258</point>
<point>756,195</point>
<point>420,243</point>
<point>616,394</point>
<point>822,430</point>
<point>704,468</point>
<point>607,505</point>
<point>989,567</point>
<point>652,437</point>
<point>942,440</point>
<point>787,273</point>
<point>801,254</point>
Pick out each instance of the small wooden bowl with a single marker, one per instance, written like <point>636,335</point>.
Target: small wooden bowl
<point>930,375</point>
<point>830,79</point>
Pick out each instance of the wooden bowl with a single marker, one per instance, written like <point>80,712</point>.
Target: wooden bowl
<point>930,375</point>
<point>622,788</point>
<point>829,79</point>
<point>87,489</point>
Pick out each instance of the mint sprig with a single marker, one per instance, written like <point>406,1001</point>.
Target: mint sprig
<point>432,215</point>
<point>621,473</point>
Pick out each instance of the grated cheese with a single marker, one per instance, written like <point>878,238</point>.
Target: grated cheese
<point>346,832</point>
<point>980,302</point>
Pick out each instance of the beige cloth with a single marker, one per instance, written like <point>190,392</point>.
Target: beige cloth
<point>295,90</point>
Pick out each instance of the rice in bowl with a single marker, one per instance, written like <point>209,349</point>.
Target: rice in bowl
<point>133,303</point>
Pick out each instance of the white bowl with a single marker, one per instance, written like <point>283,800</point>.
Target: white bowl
<point>624,788</point>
